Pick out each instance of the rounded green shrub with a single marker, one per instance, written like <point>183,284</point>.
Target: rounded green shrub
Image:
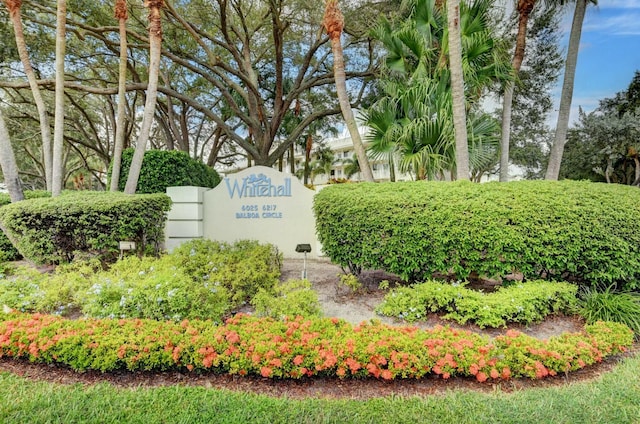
<point>243,267</point>
<point>54,230</point>
<point>7,251</point>
<point>576,231</point>
<point>167,168</point>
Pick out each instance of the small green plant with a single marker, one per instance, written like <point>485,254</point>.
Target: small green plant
<point>351,282</point>
<point>22,294</point>
<point>610,305</point>
<point>384,285</point>
<point>290,299</point>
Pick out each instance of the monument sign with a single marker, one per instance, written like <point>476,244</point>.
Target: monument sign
<point>258,203</point>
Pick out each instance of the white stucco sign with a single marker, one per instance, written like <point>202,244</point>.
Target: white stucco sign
<point>261,204</point>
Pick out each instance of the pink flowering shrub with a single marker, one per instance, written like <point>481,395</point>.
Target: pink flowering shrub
<point>299,347</point>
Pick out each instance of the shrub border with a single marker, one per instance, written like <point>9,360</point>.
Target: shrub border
<point>302,348</point>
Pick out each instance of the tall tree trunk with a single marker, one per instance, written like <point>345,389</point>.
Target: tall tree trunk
<point>555,157</point>
<point>307,159</point>
<point>636,182</point>
<point>334,23</point>
<point>45,130</point>
<point>122,16</point>
<point>155,45</point>
<point>292,163</point>
<point>57,173</point>
<point>505,138</point>
<point>8,164</point>
<point>457,90</point>
<point>524,11</point>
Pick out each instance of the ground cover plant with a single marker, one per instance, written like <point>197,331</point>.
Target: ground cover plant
<point>26,289</point>
<point>567,230</point>
<point>300,347</point>
<point>274,348</point>
<point>523,303</point>
<point>154,289</point>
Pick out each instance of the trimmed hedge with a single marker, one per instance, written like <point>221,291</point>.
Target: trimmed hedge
<point>166,168</point>
<point>54,230</point>
<point>576,231</point>
<point>28,194</point>
<point>7,251</point>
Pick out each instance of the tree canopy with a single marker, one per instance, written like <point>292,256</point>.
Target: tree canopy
<point>232,72</point>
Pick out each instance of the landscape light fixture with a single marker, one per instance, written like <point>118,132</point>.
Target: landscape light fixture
<point>304,248</point>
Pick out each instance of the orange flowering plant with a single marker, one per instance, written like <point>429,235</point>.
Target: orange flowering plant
<point>299,347</point>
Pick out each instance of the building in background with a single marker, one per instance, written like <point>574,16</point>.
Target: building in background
<point>341,158</point>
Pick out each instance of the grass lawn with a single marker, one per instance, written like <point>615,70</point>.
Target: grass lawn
<point>612,398</point>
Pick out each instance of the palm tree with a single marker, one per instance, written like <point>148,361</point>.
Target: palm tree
<point>524,7</point>
<point>557,149</point>
<point>484,143</point>
<point>351,166</point>
<point>57,173</point>
<point>308,145</point>
<point>14,7</point>
<point>334,24</point>
<point>413,119</point>
<point>457,90</point>
<point>8,164</point>
<point>425,139</point>
<point>384,131</point>
<point>322,164</point>
<point>122,16</point>
<point>155,46</point>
